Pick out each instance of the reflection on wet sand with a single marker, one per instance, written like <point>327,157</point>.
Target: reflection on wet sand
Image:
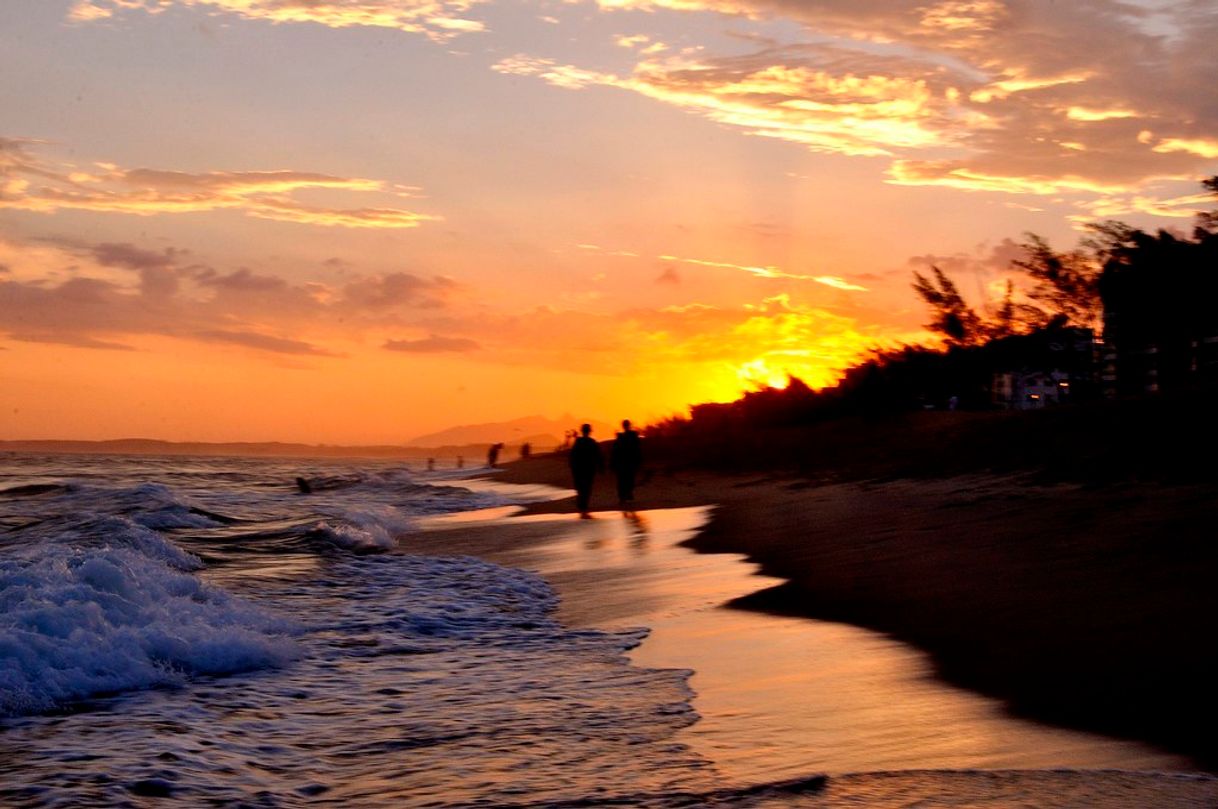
<point>781,696</point>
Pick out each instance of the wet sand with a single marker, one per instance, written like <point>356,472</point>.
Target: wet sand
<point>779,697</point>
<point>1087,607</point>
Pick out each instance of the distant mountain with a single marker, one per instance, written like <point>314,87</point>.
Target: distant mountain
<point>543,433</point>
<point>470,441</point>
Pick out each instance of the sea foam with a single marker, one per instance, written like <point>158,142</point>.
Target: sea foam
<point>367,528</point>
<point>127,615</point>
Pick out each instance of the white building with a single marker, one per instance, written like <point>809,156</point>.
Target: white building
<point>1031,390</point>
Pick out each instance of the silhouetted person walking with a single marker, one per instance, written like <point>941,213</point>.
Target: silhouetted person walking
<point>492,455</point>
<point>586,461</point>
<point>625,458</point>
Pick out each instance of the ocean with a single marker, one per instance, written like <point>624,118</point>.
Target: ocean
<point>202,632</point>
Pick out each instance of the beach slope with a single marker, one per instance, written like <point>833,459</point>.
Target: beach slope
<point>1087,606</point>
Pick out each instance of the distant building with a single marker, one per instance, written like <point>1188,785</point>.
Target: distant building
<point>1044,369</point>
<point>1033,390</point>
<point>1133,366</point>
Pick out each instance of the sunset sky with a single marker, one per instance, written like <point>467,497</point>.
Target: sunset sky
<point>357,221</point>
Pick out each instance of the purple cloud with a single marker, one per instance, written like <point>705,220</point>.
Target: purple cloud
<point>432,345</point>
<point>264,342</point>
<point>398,289</point>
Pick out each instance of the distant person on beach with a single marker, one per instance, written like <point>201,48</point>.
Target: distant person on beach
<point>431,464</point>
<point>526,450</point>
<point>586,461</point>
<point>625,458</point>
<point>460,461</point>
<point>492,455</point>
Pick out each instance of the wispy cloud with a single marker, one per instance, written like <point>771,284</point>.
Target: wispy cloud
<point>824,104</point>
<point>433,344</point>
<point>397,289</point>
<point>1092,114</point>
<point>1202,147</point>
<point>771,271</point>
<point>670,276</point>
<point>30,183</point>
<point>107,295</point>
<point>264,342</point>
<point>1118,205</point>
<point>96,296</point>
<point>73,340</point>
<point>979,95</point>
<point>437,19</point>
<point>124,254</point>
<point>838,282</point>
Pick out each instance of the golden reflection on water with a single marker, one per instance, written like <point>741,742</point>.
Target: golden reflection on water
<point>286,566</point>
<point>781,696</point>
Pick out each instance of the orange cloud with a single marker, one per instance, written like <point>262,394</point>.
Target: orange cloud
<point>1091,114</point>
<point>439,20</point>
<point>837,282</point>
<point>956,16</point>
<point>114,295</point>
<point>31,184</point>
<point>770,271</point>
<point>978,95</point>
<point>1018,82</point>
<point>1183,207</point>
<point>167,301</point>
<point>822,109</point>
<point>263,342</point>
<point>1202,147</point>
<point>432,344</point>
<point>952,174</point>
<point>761,272</point>
<point>632,41</point>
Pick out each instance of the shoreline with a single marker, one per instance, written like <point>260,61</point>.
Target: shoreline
<point>777,697</point>
<point>1083,607</point>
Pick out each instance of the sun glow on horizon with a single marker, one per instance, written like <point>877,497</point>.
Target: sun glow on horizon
<point>759,374</point>
<point>619,207</point>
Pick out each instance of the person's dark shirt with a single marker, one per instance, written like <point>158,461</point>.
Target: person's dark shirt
<point>585,456</point>
<point>627,453</point>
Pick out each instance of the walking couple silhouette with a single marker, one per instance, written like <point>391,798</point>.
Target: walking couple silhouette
<point>586,459</point>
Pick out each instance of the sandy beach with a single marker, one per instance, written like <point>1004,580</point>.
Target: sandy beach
<point>1081,607</point>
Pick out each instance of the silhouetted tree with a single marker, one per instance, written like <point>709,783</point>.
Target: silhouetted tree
<point>1066,284</point>
<point>953,318</point>
<point>1160,295</point>
<point>1111,239</point>
<point>1208,220</point>
<point>1004,320</point>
